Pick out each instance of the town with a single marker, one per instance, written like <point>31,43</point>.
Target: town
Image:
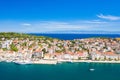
<point>27,49</point>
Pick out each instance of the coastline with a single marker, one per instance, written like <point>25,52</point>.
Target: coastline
<point>45,62</point>
<point>44,50</point>
<point>62,61</point>
<point>91,61</point>
<point>71,61</point>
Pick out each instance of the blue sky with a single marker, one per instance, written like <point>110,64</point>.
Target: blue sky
<point>59,15</point>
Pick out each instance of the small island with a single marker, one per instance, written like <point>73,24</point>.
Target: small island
<point>30,49</point>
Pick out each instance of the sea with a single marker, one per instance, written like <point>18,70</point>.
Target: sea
<point>76,36</point>
<point>62,71</point>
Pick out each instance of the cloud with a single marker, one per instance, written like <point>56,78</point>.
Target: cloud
<point>108,17</point>
<point>59,26</point>
<point>26,24</point>
<point>83,25</point>
<point>51,26</point>
<point>95,22</point>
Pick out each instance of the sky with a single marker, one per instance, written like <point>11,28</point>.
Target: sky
<point>38,16</point>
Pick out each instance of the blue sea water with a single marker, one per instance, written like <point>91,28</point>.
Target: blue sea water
<point>76,36</point>
<point>63,71</point>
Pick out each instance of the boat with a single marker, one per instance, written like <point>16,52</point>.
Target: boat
<point>91,69</point>
<point>59,62</point>
<point>22,62</point>
<point>70,61</point>
<point>87,62</point>
<point>8,61</point>
<point>18,63</point>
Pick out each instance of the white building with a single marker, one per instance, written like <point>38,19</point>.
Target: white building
<point>6,44</point>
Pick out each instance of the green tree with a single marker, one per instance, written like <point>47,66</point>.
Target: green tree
<point>24,44</point>
<point>13,48</point>
<point>4,49</point>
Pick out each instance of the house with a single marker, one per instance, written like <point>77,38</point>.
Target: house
<point>82,55</point>
<point>47,56</point>
<point>37,55</point>
<point>111,56</point>
<point>66,56</point>
<point>97,55</point>
<point>6,44</point>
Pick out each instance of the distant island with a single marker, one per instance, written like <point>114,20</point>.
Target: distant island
<point>23,48</point>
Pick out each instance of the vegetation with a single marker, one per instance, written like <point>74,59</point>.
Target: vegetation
<point>13,48</point>
<point>13,35</point>
<point>9,35</point>
<point>4,49</point>
<point>24,44</point>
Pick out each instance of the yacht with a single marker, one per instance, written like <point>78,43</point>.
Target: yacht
<point>91,69</point>
<point>22,62</point>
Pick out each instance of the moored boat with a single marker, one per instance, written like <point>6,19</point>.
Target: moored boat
<point>22,62</point>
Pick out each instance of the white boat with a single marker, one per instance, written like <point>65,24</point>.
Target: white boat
<point>87,62</point>
<point>8,60</point>
<point>59,62</point>
<point>22,62</point>
<point>18,63</point>
<point>91,69</point>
